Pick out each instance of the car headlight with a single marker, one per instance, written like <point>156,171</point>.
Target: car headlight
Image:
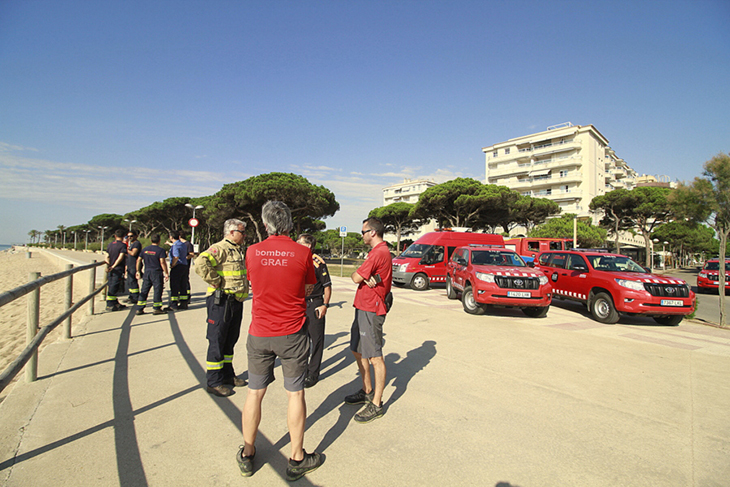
<point>703,275</point>
<point>403,267</point>
<point>543,279</point>
<point>485,277</point>
<point>635,285</point>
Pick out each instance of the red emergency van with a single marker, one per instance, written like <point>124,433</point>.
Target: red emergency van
<point>529,248</point>
<point>424,261</point>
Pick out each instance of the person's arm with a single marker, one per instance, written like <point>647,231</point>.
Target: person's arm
<point>322,310</point>
<point>163,263</point>
<point>139,268</point>
<point>357,279</point>
<point>205,265</point>
<point>134,251</point>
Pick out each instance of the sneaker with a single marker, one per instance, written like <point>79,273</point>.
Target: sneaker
<point>245,463</point>
<point>359,397</point>
<point>310,381</point>
<point>369,413</point>
<point>158,311</point>
<point>140,312</point>
<point>130,301</point>
<point>119,307</point>
<point>296,470</point>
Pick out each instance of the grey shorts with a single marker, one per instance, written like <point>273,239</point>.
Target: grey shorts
<point>292,350</point>
<point>366,335</point>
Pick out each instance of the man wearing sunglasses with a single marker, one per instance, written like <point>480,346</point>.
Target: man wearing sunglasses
<point>374,278</point>
<point>223,267</point>
<point>134,247</point>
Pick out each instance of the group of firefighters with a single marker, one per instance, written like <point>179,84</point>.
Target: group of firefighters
<point>126,257</point>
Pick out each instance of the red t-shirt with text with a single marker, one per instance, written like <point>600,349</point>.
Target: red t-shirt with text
<point>278,268</point>
<point>379,261</point>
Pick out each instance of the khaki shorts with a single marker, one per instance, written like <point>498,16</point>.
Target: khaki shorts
<point>292,350</point>
<point>366,335</point>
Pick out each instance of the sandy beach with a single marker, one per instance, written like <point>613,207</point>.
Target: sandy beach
<point>15,269</point>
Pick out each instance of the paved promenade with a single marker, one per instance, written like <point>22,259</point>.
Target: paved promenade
<point>496,400</point>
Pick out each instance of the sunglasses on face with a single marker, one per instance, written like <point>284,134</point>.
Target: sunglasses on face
<point>366,231</point>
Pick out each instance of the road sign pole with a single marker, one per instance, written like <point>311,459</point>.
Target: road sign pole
<point>343,234</point>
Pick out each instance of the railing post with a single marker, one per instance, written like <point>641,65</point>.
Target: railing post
<point>92,286</point>
<point>34,308</point>
<point>69,299</point>
<point>106,289</point>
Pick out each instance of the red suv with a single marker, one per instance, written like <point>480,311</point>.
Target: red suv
<point>498,277</point>
<point>709,277</point>
<point>610,284</point>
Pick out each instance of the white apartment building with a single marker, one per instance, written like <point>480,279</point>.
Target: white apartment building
<point>408,192</point>
<point>569,164</point>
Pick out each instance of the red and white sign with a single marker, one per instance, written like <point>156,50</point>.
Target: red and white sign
<point>193,222</point>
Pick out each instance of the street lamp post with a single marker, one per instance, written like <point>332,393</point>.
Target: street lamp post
<point>102,236</point>
<point>64,240</point>
<point>130,223</point>
<point>664,258</point>
<point>74,239</point>
<point>192,237</point>
<point>86,245</point>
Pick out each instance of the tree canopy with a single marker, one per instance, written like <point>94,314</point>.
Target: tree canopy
<point>707,199</point>
<point>244,199</point>
<point>466,202</point>
<point>398,219</point>
<point>589,236</point>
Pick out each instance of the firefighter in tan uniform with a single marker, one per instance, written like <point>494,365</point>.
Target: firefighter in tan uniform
<point>223,267</point>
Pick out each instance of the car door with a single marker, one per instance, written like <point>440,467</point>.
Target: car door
<point>460,260</point>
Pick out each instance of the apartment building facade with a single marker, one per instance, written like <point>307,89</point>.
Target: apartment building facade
<point>569,164</point>
<point>408,192</point>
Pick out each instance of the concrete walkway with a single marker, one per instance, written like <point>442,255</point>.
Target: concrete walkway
<point>496,400</point>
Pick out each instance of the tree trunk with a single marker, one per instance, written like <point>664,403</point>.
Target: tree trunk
<point>722,233</point>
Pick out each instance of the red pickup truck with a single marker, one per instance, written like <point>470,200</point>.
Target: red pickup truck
<point>610,284</point>
<point>497,277</point>
<point>708,279</point>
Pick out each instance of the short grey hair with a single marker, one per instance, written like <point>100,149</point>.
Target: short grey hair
<point>232,224</point>
<point>277,218</point>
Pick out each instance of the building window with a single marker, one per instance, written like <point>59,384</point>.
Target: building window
<point>506,151</point>
<point>495,153</point>
<point>563,173</point>
<point>566,189</point>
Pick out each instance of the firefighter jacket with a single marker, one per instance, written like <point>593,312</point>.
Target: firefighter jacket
<point>223,266</point>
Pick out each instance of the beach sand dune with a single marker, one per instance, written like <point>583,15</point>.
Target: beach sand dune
<point>15,269</point>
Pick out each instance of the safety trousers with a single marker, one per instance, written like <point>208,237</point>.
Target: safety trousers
<point>116,286</point>
<point>132,285</point>
<point>224,328</point>
<point>152,278</point>
<point>315,329</point>
<point>177,285</point>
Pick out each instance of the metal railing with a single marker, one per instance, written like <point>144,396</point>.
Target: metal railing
<point>35,335</point>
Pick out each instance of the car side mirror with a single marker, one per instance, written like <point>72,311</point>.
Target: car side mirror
<point>530,264</point>
<point>580,268</point>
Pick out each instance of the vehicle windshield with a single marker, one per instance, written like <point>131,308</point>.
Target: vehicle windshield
<point>614,263</point>
<point>715,266</point>
<point>496,257</point>
<point>415,250</point>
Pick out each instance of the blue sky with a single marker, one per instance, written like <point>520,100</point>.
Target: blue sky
<point>108,106</point>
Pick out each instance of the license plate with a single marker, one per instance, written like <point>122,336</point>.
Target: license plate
<point>518,294</point>
<point>672,302</point>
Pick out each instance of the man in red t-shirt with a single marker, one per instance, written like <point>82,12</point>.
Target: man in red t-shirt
<point>374,278</point>
<point>281,274</point>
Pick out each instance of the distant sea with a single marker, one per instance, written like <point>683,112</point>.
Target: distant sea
<point>4,247</point>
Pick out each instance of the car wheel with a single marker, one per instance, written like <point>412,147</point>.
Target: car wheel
<point>536,312</point>
<point>673,320</point>
<point>470,304</point>
<point>603,310</point>
<point>450,291</point>
<point>419,282</point>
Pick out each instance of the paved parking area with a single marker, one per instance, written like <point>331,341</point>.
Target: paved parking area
<point>496,400</point>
